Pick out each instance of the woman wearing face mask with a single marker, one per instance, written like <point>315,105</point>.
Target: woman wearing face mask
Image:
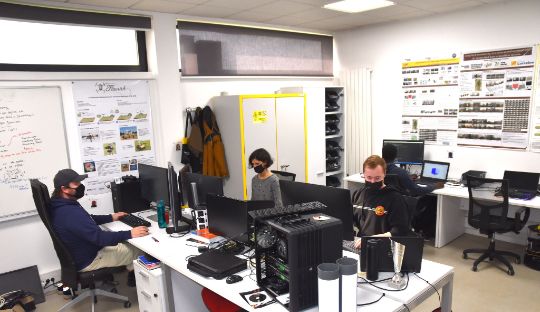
<point>264,185</point>
<point>382,211</point>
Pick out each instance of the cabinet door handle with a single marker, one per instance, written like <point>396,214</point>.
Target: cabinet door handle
<point>143,274</point>
<point>147,295</point>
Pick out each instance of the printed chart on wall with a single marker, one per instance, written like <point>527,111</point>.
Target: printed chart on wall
<point>495,97</point>
<point>535,136</point>
<point>115,129</point>
<point>430,97</point>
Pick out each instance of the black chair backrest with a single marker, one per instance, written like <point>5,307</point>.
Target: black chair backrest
<point>43,204</point>
<point>284,175</point>
<point>393,181</point>
<point>488,203</point>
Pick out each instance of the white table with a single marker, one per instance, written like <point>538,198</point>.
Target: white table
<point>450,222</point>
<point>185,286</point>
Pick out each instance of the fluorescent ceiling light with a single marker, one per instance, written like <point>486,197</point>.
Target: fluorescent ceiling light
<point>355,6</point>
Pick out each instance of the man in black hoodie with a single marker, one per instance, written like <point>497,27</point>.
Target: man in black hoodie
<point>382,210</point>
<point>90,246</point>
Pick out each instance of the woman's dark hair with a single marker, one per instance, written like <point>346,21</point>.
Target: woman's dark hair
<point>262,155</point>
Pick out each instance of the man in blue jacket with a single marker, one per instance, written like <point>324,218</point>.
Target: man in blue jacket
<point>90,246</point>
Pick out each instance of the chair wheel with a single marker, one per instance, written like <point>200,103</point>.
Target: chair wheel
<point>114,290</point>
<point>95,299</point>
<point>127,304</point>
<point>511,272</point>
<point>474,269</point>
<point>518,261</point>
<point>465,256</point>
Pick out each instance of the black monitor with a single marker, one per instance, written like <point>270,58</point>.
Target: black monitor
<point>521,180</point>
<point>154,183</point>
<point>337,200</point>
<point>174,200</point>
<point>205,185</point>
<point>409,152</point>
<point>229,217</point>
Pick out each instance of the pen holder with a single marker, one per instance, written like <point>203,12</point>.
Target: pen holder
<point>328,287</point>
<point>348,268</point>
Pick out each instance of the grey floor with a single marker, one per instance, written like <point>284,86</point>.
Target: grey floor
<point>489,289</point>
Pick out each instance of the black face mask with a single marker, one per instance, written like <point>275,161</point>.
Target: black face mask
<point>79,191</point>
<point>373,186</point>
<point>259,168</point>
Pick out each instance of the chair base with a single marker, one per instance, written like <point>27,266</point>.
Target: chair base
<point>92,293</point>
<point>491,253</point>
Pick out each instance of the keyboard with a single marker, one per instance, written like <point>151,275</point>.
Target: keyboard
<point>349,246</point>
<point>134,221</point>
<point>290,209</point>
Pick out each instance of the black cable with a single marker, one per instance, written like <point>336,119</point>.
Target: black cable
<point>377,281</point>
<point>372,302</point>
<point>386,289</point>
<point>436,290</point>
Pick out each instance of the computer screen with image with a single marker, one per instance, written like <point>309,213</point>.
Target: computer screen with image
<point>435,170</point>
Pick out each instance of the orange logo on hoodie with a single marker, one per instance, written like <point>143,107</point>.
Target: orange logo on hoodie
<point>379,211</point>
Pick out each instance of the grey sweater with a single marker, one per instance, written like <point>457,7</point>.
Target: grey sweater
<point>267,189</point>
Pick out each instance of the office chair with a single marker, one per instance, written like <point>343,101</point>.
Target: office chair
<point>488,213</point>
<point>284,175</point>
<point>411,201</point>
<point>70,276</point>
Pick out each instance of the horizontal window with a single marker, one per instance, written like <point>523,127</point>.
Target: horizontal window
<point>223,50</point>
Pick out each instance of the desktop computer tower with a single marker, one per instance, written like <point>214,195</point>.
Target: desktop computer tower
<point>126,197</point>
<point>288,250</point>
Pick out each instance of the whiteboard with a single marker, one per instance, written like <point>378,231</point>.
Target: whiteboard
<point>32,145</point>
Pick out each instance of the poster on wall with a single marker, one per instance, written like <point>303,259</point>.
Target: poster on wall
<point>115,129</point>
<point>535,130</point>
<point>430,97</point>
<point>495,98</point>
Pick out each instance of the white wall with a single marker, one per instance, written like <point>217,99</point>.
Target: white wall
<point>383,47</point>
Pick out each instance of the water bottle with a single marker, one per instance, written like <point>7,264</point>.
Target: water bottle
<point>161,214</point>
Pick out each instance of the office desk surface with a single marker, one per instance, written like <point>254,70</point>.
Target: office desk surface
<point>460,192</point>
<point>173,252</point>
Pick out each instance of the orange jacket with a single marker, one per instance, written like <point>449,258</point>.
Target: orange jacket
<point>214,162</point>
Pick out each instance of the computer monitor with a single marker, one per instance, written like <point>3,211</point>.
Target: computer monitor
<point>229,217</point>
<point>174,200</point>
<point>409,152</point>
<point>337,200</point>
<point>521,180</point>
<point>435,170</point>
<point>154,183</point>
<point>205,185</point>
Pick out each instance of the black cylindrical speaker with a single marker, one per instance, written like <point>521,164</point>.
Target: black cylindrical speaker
<point>372,272</point>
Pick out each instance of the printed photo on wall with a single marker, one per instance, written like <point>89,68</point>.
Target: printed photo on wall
<point>109,149</point>
<point>142,145</point>
<point>128,133</point>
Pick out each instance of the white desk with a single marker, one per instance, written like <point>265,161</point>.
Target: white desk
<point>450,219</point>
<point>185,285</point>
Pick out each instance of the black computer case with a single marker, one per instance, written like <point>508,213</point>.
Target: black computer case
<point>289,249</point>
<point>126,197</point>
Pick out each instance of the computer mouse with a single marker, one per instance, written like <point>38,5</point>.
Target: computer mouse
<point>233,279</point>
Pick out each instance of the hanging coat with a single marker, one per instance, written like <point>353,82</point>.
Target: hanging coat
<point>214,163</point>
<point>196,142</point>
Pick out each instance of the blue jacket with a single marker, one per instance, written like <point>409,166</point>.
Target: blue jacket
<point>80,232</point>
<point>406,182</point>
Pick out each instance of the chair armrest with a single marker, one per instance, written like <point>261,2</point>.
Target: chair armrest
<point>519,222</point>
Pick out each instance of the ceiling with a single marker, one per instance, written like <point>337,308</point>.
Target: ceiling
<point>290,13</point>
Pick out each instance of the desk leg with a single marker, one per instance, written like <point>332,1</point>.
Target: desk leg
<point>450,222</point>
<point>446,300</point>
<point>168,284</point>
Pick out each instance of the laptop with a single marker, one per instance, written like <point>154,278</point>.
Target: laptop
<point>412,260</point>
<point>433,172</point>
<point>522,185</point>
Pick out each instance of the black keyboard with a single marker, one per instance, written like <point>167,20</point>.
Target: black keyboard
<point>134,221</point>
<point>349,246</point>
<point>298,208</point>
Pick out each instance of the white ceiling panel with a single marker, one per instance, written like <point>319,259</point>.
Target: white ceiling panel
<point>254,16</point>
<point>161,6</point>
<point>305,17</point>
<point>210,11</point>
<point>456,6</point>
<point>392,11</point>
<point>283,7</point>
<point>240,4</point>
<point>188,1</point>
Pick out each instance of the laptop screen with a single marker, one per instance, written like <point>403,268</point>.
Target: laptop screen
<point>435,170</point>
<point>521,180</point>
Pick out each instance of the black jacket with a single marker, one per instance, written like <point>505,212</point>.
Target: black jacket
<point>381,211</point>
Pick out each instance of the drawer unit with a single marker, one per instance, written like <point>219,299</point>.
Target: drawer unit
<point>151,289</point>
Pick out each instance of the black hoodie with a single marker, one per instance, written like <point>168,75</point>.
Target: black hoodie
<point>381,211</point>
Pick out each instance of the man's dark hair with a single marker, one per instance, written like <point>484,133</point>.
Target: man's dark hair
<point>56,193</point>
<point>262,155</point>
<point>389,152</point>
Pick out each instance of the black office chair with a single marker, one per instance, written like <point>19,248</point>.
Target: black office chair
<point>284,175</point>
<point>489,213</point>
<point>411,201</point>
<point>70,276</point>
